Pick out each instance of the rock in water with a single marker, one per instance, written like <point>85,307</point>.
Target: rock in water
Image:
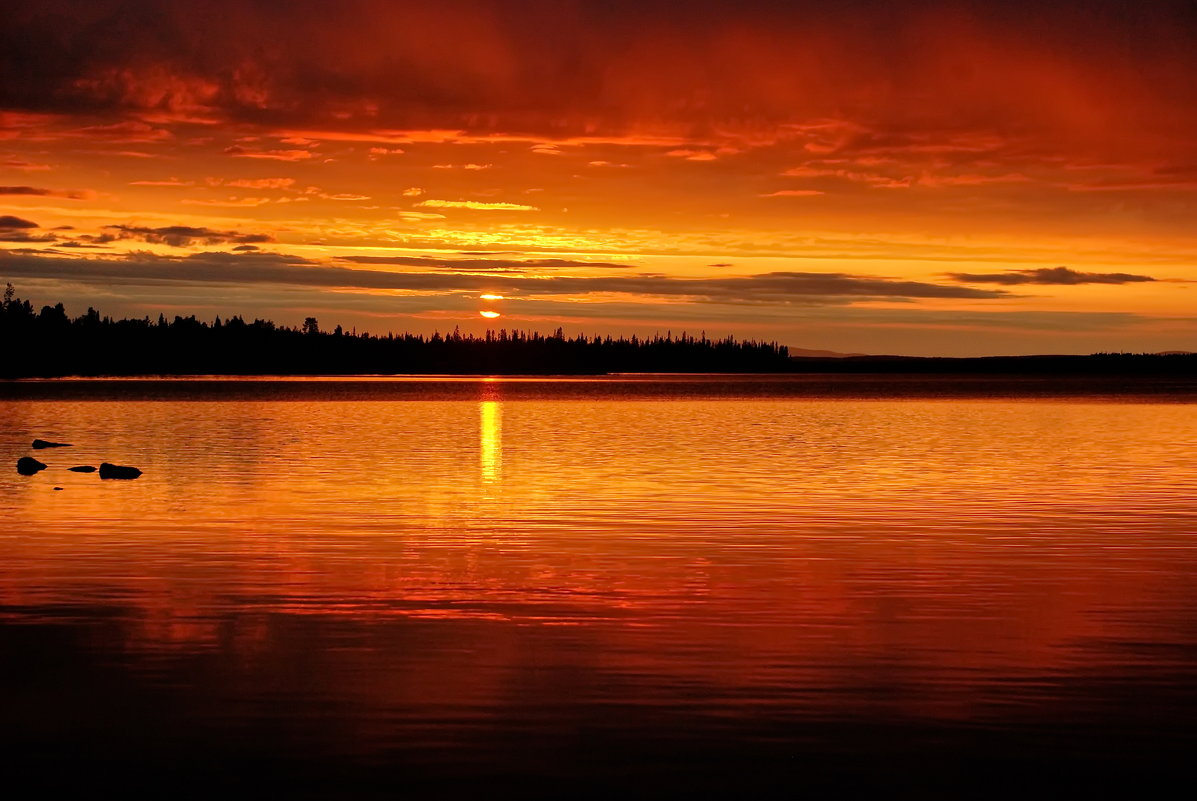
<point>58,489</point>
<point>118,471</point>
<point>27,466</point>
<point>38,444</point>
<point>83,468</point>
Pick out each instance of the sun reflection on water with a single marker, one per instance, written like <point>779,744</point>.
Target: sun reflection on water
<point>490,440</point>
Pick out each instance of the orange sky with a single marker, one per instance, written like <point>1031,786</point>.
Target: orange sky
<point>948,178</point>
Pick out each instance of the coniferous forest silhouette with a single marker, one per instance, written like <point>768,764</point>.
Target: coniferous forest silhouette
<point>47,342</point>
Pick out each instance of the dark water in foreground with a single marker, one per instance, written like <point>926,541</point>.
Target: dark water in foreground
<point>409,588</point>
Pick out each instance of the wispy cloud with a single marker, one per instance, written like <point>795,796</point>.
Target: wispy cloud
<point>37,191</point>
<point>18,229</point>
<point>231,202</point>
<point>778,288</point>
<point>179,236</point>
<point>163,182</point>
<point>475,205</point>
<point>472,167</point>
<point>793,193</point>
<point>24,166</point>
<point>277,155</point>
<point>1060,276</point>
<point>259,183</point>
<point>484,265</point>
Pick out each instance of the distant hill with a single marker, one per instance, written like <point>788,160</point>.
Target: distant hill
<point>805,353</point>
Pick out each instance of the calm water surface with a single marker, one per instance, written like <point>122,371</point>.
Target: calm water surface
<point>929,587</point>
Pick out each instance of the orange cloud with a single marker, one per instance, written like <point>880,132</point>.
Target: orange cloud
<point>793,193</point>
<point>278,155</point>
<point>24,166</point>
<point>473,204</point>
<point>927,136</point>
<point>240,202</point>
<point>374,70</point>
<point>260,183</point>
<point>165,182</point>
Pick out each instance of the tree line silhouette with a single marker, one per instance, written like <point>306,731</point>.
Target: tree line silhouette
<point>48,342</point>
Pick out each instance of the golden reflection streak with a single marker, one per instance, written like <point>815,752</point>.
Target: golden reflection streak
<point>490,440</point>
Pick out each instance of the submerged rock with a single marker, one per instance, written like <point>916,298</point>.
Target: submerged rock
<point>38,444</point>
<point>27,466</point>
<point>83,468</point>
<point>118,471</point>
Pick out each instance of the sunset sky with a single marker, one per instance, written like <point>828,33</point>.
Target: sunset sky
<point>926,178</point>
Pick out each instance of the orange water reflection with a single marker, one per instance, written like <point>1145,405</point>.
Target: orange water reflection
<point>951,560</point>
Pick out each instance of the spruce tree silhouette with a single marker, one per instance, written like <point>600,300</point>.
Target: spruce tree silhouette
<point>49,343</point>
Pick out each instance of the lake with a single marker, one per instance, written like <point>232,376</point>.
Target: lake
<point>916,586</point>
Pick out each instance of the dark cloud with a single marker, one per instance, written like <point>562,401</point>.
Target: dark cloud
<point>20,236</point>
<point>42,192</point>
<point>179,236</point>
<point>1060,276</point>
<point>17,229</point>
<point>576,67</point>
<point>279,269</point>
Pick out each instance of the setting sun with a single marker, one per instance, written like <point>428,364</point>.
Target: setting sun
<point>489,314</point>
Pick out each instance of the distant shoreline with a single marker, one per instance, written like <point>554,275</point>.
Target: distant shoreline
<point>702,387</point>
<point>1095,365</point>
